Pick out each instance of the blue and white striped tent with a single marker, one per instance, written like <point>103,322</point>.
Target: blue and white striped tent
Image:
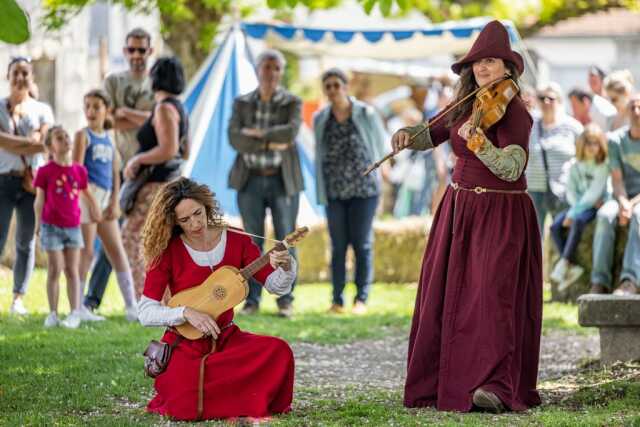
<point>453,37</point>
<point>229,72</point>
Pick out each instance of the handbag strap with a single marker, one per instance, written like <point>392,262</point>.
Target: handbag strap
<point>544,156</point>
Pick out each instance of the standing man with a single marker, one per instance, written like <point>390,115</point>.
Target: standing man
<point>132,100</point>
<point>266,172</point>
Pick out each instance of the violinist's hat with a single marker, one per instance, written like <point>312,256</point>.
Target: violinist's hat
<point>492,42</point>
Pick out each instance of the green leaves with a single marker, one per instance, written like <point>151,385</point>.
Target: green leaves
<point>368,5</point>
<point>14,23</point>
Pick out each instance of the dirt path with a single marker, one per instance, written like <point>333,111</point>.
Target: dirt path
<point>382,363</point>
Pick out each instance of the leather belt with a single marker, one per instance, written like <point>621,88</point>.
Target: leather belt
<point>265,171</point>
<point>480,190</point>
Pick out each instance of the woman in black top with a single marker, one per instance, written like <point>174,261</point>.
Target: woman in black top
<point>163,149</point>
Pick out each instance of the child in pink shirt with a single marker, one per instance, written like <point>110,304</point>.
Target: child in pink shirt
<point>59,186</point>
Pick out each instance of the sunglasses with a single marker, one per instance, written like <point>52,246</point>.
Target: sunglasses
<point>543,98</point>
<point>140,50</point>
<point>330,86</point>
<point>593,142</point>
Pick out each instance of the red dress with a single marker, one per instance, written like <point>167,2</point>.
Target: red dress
<point>478,310</point>
<point>247,375</point>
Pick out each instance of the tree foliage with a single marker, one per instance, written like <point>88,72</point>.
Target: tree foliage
<point>188,26</point>
<point>14,23</point>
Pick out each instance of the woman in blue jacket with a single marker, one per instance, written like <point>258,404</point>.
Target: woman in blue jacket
<point>349,137</point>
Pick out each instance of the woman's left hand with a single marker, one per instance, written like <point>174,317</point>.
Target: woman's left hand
<point>132,168</point>
<point>465,130</point>
<point>280,259</point>
<point>567,222</point>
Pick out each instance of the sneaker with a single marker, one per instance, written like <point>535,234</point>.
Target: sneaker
<point>488,401</point>
<point>87,315</point>
<point>597,288</point>
<point>627,287</point>
<point>17,307</point>
<point>73,320</point>
<point>249,309</point>
<point>285,310</point>
<point>52,320</point>
<point>559,271</point>
<point>572,275</point>
<point>131,313</point>
<point>359,308</point>
<point>336,309</point>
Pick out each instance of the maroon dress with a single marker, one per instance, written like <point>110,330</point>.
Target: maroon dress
<point>478,309</point>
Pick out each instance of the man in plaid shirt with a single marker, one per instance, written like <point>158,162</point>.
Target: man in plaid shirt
<point>266,172</point>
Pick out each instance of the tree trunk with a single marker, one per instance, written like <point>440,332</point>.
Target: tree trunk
<point>191,39</point>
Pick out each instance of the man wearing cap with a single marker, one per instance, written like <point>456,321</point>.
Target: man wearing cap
<point>475,335</point>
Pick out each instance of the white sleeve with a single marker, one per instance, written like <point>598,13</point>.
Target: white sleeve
<point>153,313</point>
<point>279,282</point>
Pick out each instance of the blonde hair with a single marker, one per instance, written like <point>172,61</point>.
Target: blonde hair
<point>619,82</point>
<point>592,132</point>
<point>160,226</point>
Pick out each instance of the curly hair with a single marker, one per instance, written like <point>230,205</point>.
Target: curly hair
<point>160,226</point>
<point>467,84</point>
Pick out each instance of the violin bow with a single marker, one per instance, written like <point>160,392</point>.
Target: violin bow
<point>433,121</point>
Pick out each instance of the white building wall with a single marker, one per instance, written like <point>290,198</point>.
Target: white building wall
<point>566,60</point>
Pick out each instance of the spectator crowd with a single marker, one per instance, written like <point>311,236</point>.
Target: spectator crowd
<point>86,195</point>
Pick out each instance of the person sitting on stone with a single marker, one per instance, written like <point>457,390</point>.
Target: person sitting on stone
<point>624,162</point>
<point>586,189</point>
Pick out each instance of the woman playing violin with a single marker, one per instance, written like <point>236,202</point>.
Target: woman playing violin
<point>475,335</point>
<point>185,240</point>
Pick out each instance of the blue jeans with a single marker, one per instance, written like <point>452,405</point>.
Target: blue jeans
<point>260,193</point>
<point>350,223</point>
<point>604,244</point>
<point>13,197</point>
<point>567,245</point>
<point>100,272</point>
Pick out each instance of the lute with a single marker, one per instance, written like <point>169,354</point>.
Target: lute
<point>226,287</point>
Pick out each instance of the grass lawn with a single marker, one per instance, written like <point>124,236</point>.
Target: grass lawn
<point>93,375</point>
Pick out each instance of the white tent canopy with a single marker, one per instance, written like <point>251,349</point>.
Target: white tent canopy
<point>383,43</point>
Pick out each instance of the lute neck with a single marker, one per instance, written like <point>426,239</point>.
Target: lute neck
<point>256,265</point>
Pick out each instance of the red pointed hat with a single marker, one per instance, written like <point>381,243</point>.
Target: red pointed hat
<point>492,42</point>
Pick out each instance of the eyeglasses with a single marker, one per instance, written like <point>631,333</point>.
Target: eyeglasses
<point>543,98</point>
<point>330,86</point>
<point>16,59</point>
<point>140,50</point>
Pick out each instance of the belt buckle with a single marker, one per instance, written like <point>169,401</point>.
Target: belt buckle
<point>454,185</point>
<point>479,190</point>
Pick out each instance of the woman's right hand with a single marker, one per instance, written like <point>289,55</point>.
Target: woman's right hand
<point>400,140</point>
<point>202,322</point>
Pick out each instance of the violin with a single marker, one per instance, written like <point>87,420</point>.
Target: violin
<point>488,108</point>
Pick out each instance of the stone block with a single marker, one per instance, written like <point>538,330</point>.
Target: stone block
<point>618,320</point>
